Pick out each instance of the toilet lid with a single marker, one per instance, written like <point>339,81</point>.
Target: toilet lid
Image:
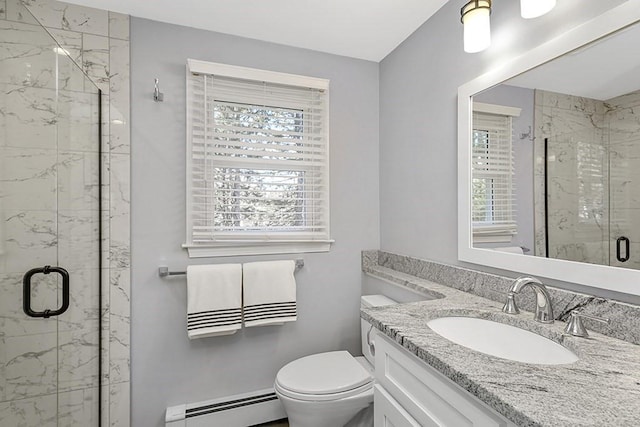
<point>323,374</point>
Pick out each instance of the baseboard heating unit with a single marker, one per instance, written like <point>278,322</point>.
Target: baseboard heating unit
<point>241,410</point>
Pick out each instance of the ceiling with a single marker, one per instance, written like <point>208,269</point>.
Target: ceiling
<point>600,70</point>
<point>364,29</point>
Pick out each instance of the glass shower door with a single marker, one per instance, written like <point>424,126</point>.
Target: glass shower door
<point>49,227</point>
<point>623,132</point>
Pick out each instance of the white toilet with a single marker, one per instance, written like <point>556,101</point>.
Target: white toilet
<point>328,389</point>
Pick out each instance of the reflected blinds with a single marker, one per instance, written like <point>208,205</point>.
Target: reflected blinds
<point>258,160</point>
<point>493,190</point>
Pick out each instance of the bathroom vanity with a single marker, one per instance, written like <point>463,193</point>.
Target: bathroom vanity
<point>410,392</point>
<point>424,379</point>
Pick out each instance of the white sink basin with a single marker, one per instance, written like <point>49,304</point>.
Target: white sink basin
<point>500,340</point>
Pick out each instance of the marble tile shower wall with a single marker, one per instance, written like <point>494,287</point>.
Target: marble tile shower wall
<point>408,271</point>
<point>577,175</point>
<point>594,159</point>
<point>98,41</point>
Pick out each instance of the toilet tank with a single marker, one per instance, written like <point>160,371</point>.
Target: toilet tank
<point>368,301</point>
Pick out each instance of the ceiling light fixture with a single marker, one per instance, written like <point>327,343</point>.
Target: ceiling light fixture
<point>534,8</point>
<point>475,16</point>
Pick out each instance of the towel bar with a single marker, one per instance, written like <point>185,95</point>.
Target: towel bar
<point>164,271</point>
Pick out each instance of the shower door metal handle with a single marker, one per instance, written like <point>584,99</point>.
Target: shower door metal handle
<point>626,249</point>
<point>26,289</point>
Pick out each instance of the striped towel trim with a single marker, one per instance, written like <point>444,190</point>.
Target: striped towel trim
<point>270,311</point>
<point>214,318</point>
<point>270,304</point>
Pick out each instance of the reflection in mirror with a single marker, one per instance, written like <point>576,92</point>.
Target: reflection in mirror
<point>556,158</point>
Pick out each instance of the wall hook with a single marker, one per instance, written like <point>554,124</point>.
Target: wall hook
<point>157,95</point>
<point>528,135</point>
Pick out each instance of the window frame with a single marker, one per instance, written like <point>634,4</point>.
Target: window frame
<point>263,243</point>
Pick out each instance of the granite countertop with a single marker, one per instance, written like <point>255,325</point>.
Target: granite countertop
<point>601,389</point>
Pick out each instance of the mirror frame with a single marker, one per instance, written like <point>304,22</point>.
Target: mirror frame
<point>598,276</point>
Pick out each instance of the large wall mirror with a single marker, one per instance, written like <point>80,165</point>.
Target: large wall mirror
<point>549,158</point>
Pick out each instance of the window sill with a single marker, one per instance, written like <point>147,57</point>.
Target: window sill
<point>493,238</point>
<point>256,248</point>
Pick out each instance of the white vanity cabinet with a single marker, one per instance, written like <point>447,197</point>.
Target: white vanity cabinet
<point>410,393</point>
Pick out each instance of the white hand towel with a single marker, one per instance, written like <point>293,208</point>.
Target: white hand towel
<point>214,300</point>
<point>269,293</point>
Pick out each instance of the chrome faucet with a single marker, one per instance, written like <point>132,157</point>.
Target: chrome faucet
<point>544,311</point>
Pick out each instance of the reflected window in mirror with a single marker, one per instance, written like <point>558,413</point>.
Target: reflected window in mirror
<point>493,181</point>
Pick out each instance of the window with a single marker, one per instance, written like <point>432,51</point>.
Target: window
<point>257,163</point>
<point>493,186</point>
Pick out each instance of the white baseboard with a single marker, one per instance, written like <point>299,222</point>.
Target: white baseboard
<point>240,410</point>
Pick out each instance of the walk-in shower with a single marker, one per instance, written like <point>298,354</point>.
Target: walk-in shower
<point>589,151</point>
<point>50,231</point>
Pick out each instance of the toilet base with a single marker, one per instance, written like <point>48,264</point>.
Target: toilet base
<point>334,413</point>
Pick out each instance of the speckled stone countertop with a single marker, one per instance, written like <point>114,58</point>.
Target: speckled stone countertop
<point>601,389</point>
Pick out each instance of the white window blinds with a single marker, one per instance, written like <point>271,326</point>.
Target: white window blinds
<point>258,157</point>
<point>493,189</point>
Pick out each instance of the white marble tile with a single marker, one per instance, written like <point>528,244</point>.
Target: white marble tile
<point>72,17</point>
<point>627,100</point>
<point>119,322</point>
<point>30,117</point>
<point>626,222</point>
<point>28,57</point>
<point>571,103</point>
<point>18,13</point>
<point>95,59</point>
<point>83,309</point>
<point>3,374</point>
<point>567,122</point>
<point>105,404</point>
<point>119,211</point>
<point>30,365</point>
<point>78,239</point>
<point>106,325</point>
<point>71,76</point>
<point>119,349</point>
<point>38,411</point>
<point>71,42</point>
<point>106,137</point>
<point>3,9</point>
<point>106,241</point>
<point>78,358</point>
<point>120,96</point>
<point>118,26</point>
<point>78,181</point>
<point>44,295</point>
<point>31,239</point>
<point>624,120</point>
<point>78,120</point>
<point>119,396</point>
<point>120,291</point>
<point>78,408</point>
<point>28,179</point>
<point>590,252</point>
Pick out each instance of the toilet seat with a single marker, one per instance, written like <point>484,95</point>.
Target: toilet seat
<point>324,377</point>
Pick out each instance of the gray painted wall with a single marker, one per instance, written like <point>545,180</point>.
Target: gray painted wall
<point>167,368</point>
<point>418,128</point>
<point>522,98</point>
